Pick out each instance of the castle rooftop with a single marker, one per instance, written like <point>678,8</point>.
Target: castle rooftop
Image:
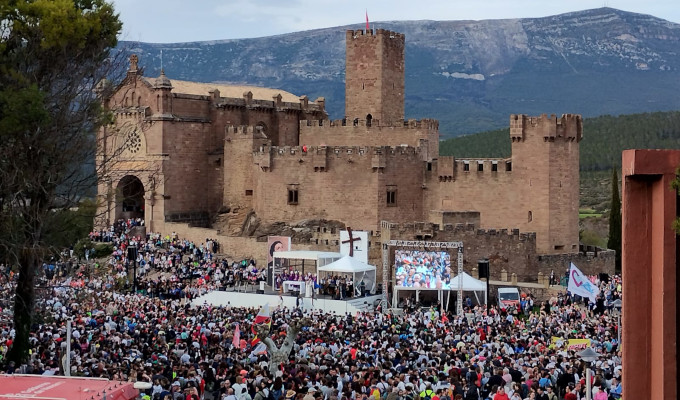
<point>226,90</point>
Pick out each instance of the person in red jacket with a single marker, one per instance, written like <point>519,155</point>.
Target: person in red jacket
<point>500,394</point>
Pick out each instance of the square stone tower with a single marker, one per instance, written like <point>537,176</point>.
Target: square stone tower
<point>374,76</point>
<point>545,165</point>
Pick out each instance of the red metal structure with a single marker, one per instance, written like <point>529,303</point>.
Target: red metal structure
<point>64,388</point>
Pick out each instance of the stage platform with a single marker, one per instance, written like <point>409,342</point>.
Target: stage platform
<point>251,299</point>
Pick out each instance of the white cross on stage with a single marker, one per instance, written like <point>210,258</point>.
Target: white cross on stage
<point>354,244</point>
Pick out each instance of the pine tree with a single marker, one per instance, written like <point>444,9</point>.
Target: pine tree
<point>614,241</point>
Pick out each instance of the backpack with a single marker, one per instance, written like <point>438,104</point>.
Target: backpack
<point>274,394</point>
<point>427,395</point>
<point>472,394</point>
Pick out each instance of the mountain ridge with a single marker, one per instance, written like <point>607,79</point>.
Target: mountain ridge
<point>468,74</point>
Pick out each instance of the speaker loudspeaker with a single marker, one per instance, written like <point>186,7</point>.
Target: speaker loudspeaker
<point>483,267</point>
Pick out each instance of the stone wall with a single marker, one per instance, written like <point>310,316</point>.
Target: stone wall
<point>414,133</point>
<point>506,250</point>
<point>442,218</point>
<point>347,184</point>
<point>536,190</point>
<point>240,247</point>
<point>192,177</point>
<point>590,262</point>
<point>374,75</point>
<point>540,293</point>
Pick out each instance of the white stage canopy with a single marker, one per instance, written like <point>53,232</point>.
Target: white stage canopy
<point>470,284</point>
<point>349,265</point>
<point>320,258</point>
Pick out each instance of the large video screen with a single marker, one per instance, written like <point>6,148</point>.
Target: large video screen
<point>423,269</point>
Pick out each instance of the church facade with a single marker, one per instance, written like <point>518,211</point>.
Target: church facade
<point>190,152</point>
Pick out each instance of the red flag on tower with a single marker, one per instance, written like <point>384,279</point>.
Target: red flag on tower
<point>367,28</point>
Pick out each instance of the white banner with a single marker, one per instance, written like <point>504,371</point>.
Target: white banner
<point>580,284</point>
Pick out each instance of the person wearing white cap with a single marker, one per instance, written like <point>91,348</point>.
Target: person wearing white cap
<point>310,394</point>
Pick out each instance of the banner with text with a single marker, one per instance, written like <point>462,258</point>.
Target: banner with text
<point>571,344</point>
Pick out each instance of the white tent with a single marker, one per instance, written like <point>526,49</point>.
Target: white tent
<point>350,265</point>
<point>319,258</point>
<point>470,284</point>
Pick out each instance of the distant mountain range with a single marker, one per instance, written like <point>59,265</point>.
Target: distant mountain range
<point>468,74</point>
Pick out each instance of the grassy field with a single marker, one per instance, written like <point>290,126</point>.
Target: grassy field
<point>588,212</point>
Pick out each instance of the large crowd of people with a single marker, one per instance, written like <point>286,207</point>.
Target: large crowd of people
<point>193,352</point>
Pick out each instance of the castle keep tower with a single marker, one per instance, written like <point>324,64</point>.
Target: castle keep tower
<point>374,76</point>
<point>545,161</point>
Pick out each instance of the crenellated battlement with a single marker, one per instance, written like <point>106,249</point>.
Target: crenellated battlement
<point>435,232</point>
<point>449,167</point>
<point>275,104</point>
<point>249,132</point>
<point>348,124</point>
<point>483,165</point>
<point>373,33</point>
<point>240,129</point>
<point>302,151</point>
<point>569,127</point>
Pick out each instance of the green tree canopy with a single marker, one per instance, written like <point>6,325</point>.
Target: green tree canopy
<point>53,55</point>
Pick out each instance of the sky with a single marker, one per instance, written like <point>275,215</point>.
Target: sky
<point>172,21</point>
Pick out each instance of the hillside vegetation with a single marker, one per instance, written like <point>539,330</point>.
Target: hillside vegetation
<point>604,138</point>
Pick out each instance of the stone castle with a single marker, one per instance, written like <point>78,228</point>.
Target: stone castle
<point>239,159</point>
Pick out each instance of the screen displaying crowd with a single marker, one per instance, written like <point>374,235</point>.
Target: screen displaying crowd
<point>423,269</point>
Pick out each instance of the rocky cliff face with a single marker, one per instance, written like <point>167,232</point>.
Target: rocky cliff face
<point>469,74</point>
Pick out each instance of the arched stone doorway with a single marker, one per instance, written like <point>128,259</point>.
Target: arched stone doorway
<point>129,198</point>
